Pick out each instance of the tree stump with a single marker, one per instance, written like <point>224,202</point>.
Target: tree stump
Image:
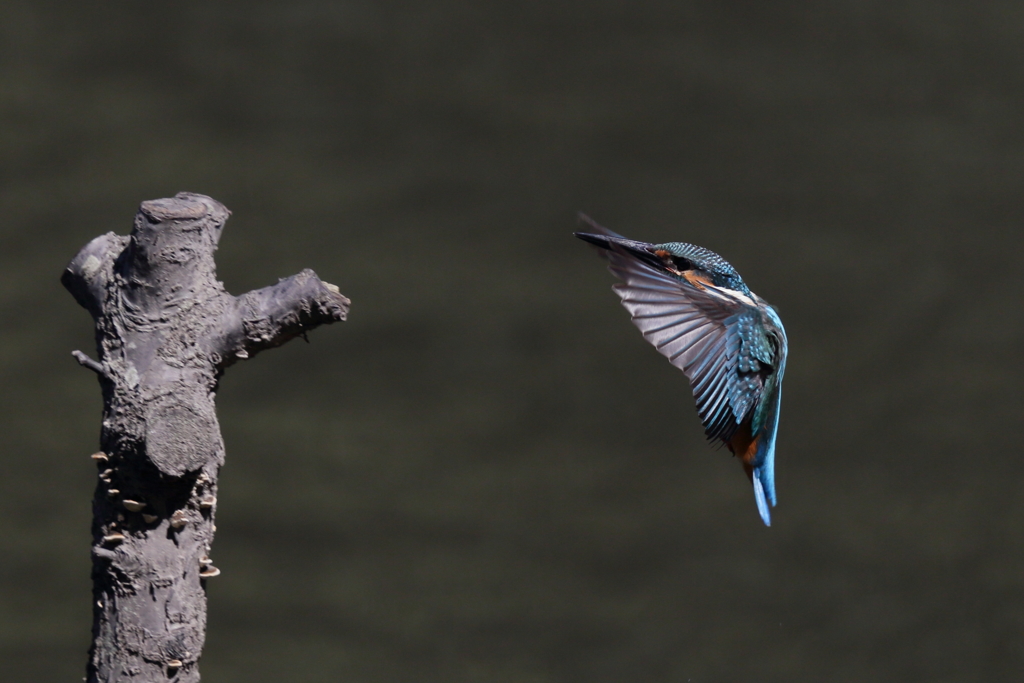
<point>166,330</point>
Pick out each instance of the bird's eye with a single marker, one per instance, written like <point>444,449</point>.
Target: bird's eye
<point>679,263</point>
<point>683,263</point>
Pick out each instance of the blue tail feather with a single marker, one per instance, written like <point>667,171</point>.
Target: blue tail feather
<point>764,471</point>
<point>762,502</point>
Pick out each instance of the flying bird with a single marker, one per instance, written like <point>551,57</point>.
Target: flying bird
<point>729,342</point>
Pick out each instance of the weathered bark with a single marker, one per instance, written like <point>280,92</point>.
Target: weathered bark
<point>165,332</point>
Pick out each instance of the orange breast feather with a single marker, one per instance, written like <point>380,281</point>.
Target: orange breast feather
<point>744,446</point>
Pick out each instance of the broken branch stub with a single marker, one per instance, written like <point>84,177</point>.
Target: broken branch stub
<point>166,330</point>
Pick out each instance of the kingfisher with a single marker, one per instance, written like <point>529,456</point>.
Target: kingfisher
<point>694,307</point>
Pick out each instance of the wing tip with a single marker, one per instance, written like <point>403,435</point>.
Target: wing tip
<point>593,226</point>
<point>584,219</point>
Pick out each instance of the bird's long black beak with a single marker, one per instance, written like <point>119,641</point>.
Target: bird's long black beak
<point>600,236</point>
<point>602,241</point>
<point>605,242</point>
<point>603,238</point>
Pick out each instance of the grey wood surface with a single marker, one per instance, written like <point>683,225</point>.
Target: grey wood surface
<point>166,330</point>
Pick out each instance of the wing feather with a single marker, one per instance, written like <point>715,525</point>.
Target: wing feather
<point>682,310</point>
<point>712,398</point>
<point>678,327</point>
<point>695,339</point>
<point>714,353</point>
<point>713,405</point>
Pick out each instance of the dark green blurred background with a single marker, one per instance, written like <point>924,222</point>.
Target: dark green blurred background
<point>487,475</point>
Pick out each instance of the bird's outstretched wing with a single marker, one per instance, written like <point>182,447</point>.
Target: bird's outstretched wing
<point>699,327</point>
